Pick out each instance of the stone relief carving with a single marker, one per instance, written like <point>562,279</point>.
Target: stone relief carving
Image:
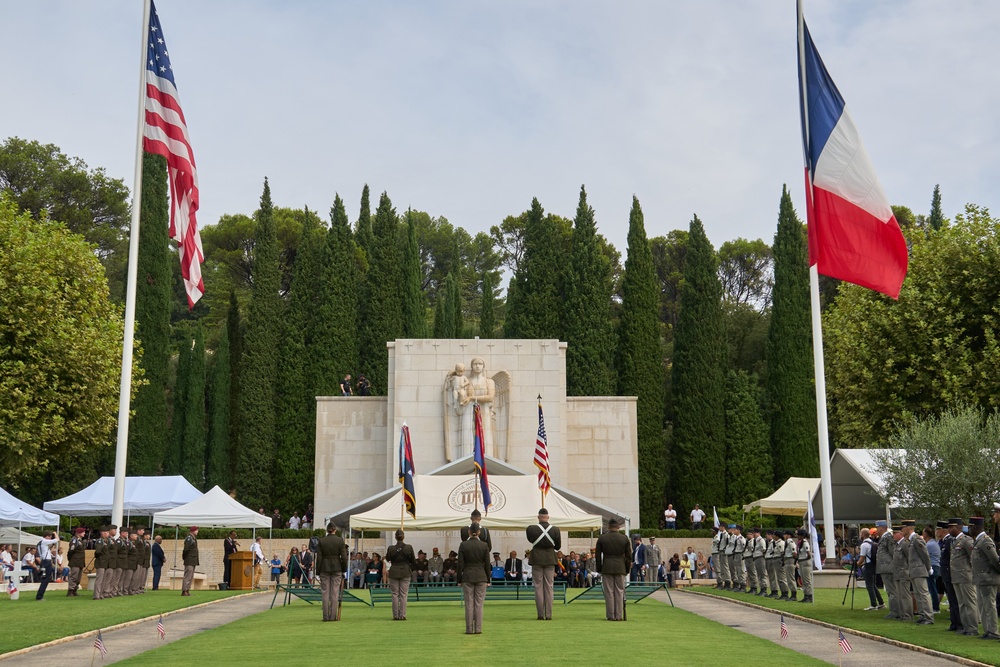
<point>460,394</point>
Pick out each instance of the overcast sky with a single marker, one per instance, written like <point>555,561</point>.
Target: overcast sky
<point>469,109</point>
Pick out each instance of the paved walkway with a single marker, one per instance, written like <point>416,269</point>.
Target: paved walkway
<point>804,637</point>
<point>140,636</point>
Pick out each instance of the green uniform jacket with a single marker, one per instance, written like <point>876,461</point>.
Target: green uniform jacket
<point>484,535</point>
<point>147,553</point>
<point>77,553</point>
<point>332,554</point>
<point>543,554</point>
<point>919,560</point>
<point>886,549</point>
<point>190,551</point>
<point>132,557</point>
<point>961,559</point>
<point>474,562</point>
<point>985,565</point>
<point>101,554</point>
<point>123,549</point>
<point>614,553</point>
<point>402,561</point>
<point>112,552</point>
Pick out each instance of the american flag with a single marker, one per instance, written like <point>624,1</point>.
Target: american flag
<point>542,455</point>
<point>165,133</point>
<point>784,629</point>
<point>162,631</point>
<point>99,645</point>
<point>845,645</point>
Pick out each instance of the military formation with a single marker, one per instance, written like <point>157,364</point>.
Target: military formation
<point>766,563</point>
<point>121,562</point>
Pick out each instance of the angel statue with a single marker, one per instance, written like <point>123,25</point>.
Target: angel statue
<point>455,390</point>
<point>460,395</point>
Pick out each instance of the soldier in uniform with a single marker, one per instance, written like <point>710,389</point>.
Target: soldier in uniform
<point>189,554</point>
<point>961,578</point>
<point>736,564</point>
<point>108,591</point>
<point>131,563</point>
<point>122,573</point>
<point>147,557</point>
<point>919,568</point>
<point>101,563</point>
<point>759,564</point>
<point>946,542</point>
<point>986,574</point>
<point>613,560</point>
<point>788,557</point>
<point>883,566</point>
<point>435,566</point>
<point>771,558</point>
<point>805,558</point>
<point>77,558</point>
<point>901,574</point>
<point>716,539</point>
<point>484,532</point>
<point>473,574</point>
<point>653,559</point>
<point>545,541</point>
<point>332,566</point>
<point>402,563</point>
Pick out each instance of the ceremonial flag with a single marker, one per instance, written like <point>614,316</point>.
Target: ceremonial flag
<point>845,645</point>
<point>853,234</point>
<point>99,645</point>
<point>813,534</point>
<point>479,457</point>
<point>162,631</point>
<point>407,471</point>
<point>542,455</point>
<point>784,628</point>
<point>165,133</point>
<point>715,517</point>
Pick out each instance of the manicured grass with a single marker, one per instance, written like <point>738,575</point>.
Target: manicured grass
<point>26,622</point>
<point>434,635</point>
<point>828,608</point>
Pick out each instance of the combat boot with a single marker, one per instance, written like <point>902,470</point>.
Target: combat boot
<point>762,592</point>
<point>806,598</point>
<point>792,596</point>
<point>783,596</point>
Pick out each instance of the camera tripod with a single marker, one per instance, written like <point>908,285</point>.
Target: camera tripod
<point>852,581</point>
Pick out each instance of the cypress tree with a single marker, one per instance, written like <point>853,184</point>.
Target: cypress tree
<point>363,229</point>
<point>449,324</point>
<point>587,310</point>
<point>748,447</point>
<point>148,430</point>
<point>234,334</point>
<point>193,449</point>
<point>455,294</point>
<point>381,307</point>
<point>440,328</point>
<point>487,323</point>
<point>258,376</point>
<point>699,380</point>
<point>172,464</point>
<point>414,315</point>
<point>217,468</point>
<point>791,398</point>
<point>936,218</point>
<point>335,338</point>
<point>537,285</point>
<point>639,363</point>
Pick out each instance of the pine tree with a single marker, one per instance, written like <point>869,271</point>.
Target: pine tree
<point>193,448</point>
<point>258,376</point>
<point>639,365</point>
<point>381,306</point>
<point>487,323</point>
<point>335,339</point>
<point>148,429</point>
<point>172,463</point>
<point>537,285</point>
<point>217,467</point>
<point>363,228</point>
<point>699,380</point>
<point>748,446</point>
<point>234,334</point>
<point>587,311</point>
<point>414,311</point>
<point>936,218</point>
<point>791,399</point>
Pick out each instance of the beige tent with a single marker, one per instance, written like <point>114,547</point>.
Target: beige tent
<point>791,499</point>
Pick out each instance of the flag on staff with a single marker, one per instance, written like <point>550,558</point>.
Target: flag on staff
<point>162,631</point>
<point>853,233</point>
<point>479,457</point>
<point>845,645</point>
<point>813,534</point>
<point>784,628</point>
<point>715,517</point>
<point>542,455</point>
<point>99,645</point>
<point>165,133</point>
<point>407,471</point>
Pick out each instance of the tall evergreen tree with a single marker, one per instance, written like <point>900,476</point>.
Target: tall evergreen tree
<point>414,311</point>
<point>449,324</point>
<point>455,293</point>
<point>217,467</point>
<point>537,285</point>
<point>234,334</point>
<point>148,429</point>
<point>699,380</point>
<point>259,373</point>
<point>381,307</point>
<point>936,219</point>
<point>193,449</point>
<point>639,365</point>
<point>363,228</point>
<point>791,398</point>
<point>335,339</point>
<point>748,447</point>
<point>441,328</point>
<point>487,321</point>
<point>587,310</point>
<point>173,462</point>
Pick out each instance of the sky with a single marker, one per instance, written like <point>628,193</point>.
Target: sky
<point>468,109</point>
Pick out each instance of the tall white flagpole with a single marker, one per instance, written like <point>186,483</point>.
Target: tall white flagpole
<point>124,397</point>
<point>819,366</point>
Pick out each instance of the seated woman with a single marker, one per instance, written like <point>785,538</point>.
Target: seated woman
<point>376,571</point>
<point>575,570</point>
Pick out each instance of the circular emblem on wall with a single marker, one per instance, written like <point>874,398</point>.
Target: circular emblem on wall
<point>463,497</point>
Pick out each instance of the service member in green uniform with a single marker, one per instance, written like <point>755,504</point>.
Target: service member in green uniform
<point>332,566</point>
<point>131,563</point>
<point>77,559</point>
<point>101,563</point>
<point>473,574</point>
<point>402,563</point>
<point>614,559</point>
<point>109,577</point>
<point>545,541</point>
<point>189,554</point>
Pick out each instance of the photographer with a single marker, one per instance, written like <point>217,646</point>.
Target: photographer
<point>866,561</point>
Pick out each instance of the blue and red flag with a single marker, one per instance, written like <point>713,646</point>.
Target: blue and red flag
<point>407,471</point>
<point>853,233</point>
<point>479,457</point>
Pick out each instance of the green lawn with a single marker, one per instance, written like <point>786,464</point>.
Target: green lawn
<point>434,634</point>
<point>27,622</point>
<point>828,608</point>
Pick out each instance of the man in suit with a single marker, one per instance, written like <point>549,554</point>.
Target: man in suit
<point>332,566</point>
<point>484,532</point>
<point>512,569</point>
<point>402,563</point>
<point>189,554</point>
<point>638,559</point>
<point>918,569</point>
<point>961,578</point>
<point>158,558</point>
<point>545,541</point>
<point>474,574</point>
<point>986,574</point>
<point>614,558</point>
<point>229,547</point>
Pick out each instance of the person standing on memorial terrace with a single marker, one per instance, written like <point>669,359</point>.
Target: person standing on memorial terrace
<point>346,387</point>
<point>364,386</point>
<point>670,517</point>
<point>697,516</point>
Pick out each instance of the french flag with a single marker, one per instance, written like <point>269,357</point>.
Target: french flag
<point>853,234</point>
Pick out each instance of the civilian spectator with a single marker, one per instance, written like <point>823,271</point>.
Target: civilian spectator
<point>513,569</point>
<point>562,571</point>
<point>693,559</point>
<point>846,559</point>
<point>6,560</point>
<point>934,552</point>
<point>435,566</point>
<point>593,577</point>
<point>687,570</point>
<point>31,566</point>
<point>294,565</point>
<point>307,521</point>
<point>526,572</point>
<point>62,570</point>
<point>346,387</point>
<point>276,568</point>
<point>158,558</point>
<point>670,517</point>
<point>576,570</point>
<point>375,571</point>
<point>358,567</point>
<point>673,569</point>
<point>295,523</point>
<point>867,564</point>
<point>276,520</point>
<point>697,516</point>
<point>364,386</point>
<point>307,559</point>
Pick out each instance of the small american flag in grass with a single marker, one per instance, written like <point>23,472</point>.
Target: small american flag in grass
<point>160,629</point>
<point>99,645</point>
<point>784,628</point>
<point>845,645</point>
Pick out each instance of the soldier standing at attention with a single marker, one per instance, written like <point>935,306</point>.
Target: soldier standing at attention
<point>332,566</point>
<point>736,564</point>
<point>402,563</point>
<point>901,574</point>
<point>716,539</point>
<point>132,564</point>
<point>484,532</point>
<point>77,558</point>
<point>147,557</point>
<point>121,568</point>
<point>919,568</point>
<point>613,560</point>
<point>788,558</point>
<point>961,578</point>
<point>748,561</point>
<point>545,541</point>
<point>190,556</point>
<point>883,566</point>
<point>769,562</point>
<point>986,574</point>
<point>101,563</point>
<point>473,573</point>
<point>653,559</point>
<point>759,562</point>
<point>109,577</point>
<point>947,542</point>
<point>727,546</point>
<point>779,567</point>
<point>805,565</point>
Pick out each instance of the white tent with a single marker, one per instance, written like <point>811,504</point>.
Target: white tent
<point>445,501</point>
<point>143,496</point>
<point>15,512</point>
<point>11,535</point>
<point>215,509</point>
<point>791,499</point>
<point>858,486</point>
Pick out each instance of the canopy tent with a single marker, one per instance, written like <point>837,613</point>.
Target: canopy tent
<point>215,509</point>
<point>792,498</point>
<point>15,512</point>
<point>11,535</point>
<point>858,486</point>
<point>143,496</point>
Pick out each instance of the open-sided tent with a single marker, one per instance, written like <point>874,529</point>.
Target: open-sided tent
<point>16,512</point>
<point>214,509</point>
<point>791,499</point>
<point>144,496</point>
<point>858,487</point>
<point>11,535</point>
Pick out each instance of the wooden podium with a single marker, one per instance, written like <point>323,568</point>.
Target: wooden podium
<point>241,578</point>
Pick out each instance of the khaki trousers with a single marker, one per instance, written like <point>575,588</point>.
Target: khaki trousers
<point>760,565</point>
<point>188,578</point>
<point>779,571</point>
<point>651,571</point>
<point>904,602</point>
<point>74,578</point>
<point>739,576</point>
<point>923,595</point>
<point>400,589</point>
<point>614,596</point>
<point>257,571</point>
<point>751,572</point>
<point>723,574</point>
<point>968,610</point>
<point>331,585</point>
<point>544,577</point>
<point>116,583</point>
<point>772,573</point>
<point>890,592</point>
<point>806,572</point>
<point>986,597</point>
<point>789,568</point>
<point>474,596</point>
<point>99,582</point>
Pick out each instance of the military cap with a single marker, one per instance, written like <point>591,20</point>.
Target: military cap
<point>881,524</point>
<point>956,522</point>
<point>801,532</point>
<point>732,525</point>
<point>942,524</point>
<point>613,522</point>
<point>80,530</point>
<point>738,527</point>
<point>977,521</point>
<point>788,531</point>
<point>192,529</point>
<point>897,529</point>
<point>911,523</point>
